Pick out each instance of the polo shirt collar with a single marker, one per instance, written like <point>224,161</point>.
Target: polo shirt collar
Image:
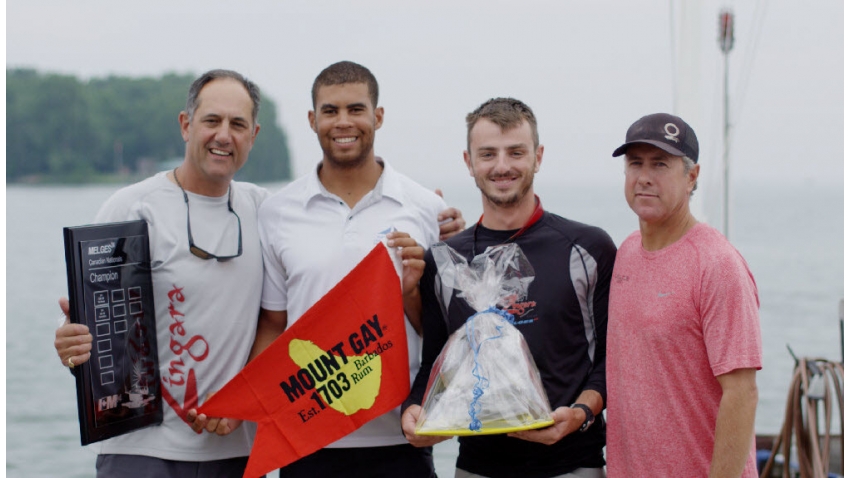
<point>388,186</point>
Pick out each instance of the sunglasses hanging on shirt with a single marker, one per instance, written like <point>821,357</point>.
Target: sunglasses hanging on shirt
<point>197,251</point>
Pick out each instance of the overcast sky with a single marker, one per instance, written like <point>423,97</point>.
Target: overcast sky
<point>588,69</point>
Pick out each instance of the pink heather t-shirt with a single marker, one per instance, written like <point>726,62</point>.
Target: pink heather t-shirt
<point>677,318</point>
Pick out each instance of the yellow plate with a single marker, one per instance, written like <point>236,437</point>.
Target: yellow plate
<point>487,430</point>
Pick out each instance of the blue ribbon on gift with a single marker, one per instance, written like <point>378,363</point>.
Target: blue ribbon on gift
<point>482,382</point>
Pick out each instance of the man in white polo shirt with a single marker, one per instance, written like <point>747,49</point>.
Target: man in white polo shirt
<point>321,226</point>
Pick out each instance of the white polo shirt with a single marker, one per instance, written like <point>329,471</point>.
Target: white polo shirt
<point>311,239</point>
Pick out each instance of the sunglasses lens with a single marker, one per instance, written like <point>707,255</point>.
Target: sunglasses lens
<point>198,252</point>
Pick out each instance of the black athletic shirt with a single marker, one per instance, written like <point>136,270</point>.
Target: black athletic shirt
<point>563,320</point>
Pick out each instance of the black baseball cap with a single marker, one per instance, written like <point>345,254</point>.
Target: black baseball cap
<point>664,131</point>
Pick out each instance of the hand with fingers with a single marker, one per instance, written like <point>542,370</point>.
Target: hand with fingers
<point>413,261</point>
<point>412,258</point>
<point>408,426</point>
<point>220,426</point>
<point>451,220</point>
<point>73,341</point>
<point>567,420</point>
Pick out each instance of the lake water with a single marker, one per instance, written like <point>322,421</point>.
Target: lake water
<point>792,235</point>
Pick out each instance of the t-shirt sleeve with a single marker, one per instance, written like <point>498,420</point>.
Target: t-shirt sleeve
<point>274,273</point>
<point>119,207</point>
<point>729,310</point>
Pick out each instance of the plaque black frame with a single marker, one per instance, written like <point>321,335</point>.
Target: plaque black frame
<point>110,290</point>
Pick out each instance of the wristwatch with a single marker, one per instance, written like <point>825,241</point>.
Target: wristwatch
<point>588,416</point>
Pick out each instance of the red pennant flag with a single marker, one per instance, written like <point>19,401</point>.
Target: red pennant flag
<point>343,363</point>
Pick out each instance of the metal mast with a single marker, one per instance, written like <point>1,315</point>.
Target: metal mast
<point>727,39</point>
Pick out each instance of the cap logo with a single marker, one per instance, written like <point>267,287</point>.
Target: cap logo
<point>672,132</point>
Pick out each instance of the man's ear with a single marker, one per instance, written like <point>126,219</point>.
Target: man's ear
<point>184,120</point>
<point>538,157</point>
<point>256,132</point>
<point>468,160</point>
<point>693,174</point>
<point>311,117</point>
<point>379,117</point>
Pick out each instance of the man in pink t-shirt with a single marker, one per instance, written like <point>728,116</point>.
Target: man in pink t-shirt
<point>683,327</point>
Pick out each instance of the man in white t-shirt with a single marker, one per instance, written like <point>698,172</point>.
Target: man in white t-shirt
<point>207,280</point>
<point>320,226</point>
<point>683,326</point>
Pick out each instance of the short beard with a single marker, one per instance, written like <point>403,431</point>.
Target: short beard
<point>506,202</point>
<point>348,164</point>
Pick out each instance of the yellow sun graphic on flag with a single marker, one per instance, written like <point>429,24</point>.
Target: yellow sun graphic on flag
<point>351,387</point>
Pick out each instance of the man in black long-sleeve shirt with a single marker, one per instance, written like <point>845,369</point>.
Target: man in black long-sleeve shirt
<point>563,318</point>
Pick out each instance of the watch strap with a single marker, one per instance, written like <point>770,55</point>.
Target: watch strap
<point>589,417</point>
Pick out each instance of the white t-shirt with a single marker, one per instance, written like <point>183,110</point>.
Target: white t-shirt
<point>312,239</point>
<point>215,302</point>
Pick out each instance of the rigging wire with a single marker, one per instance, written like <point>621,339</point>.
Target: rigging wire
<point>752,48</point>
<point>750,51</point>
<point>673,53</point>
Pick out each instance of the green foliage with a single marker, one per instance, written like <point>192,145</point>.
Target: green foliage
<point>271,144</point>
<point>63,130</point>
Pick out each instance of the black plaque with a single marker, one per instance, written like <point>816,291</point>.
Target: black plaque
<point>110,291</point>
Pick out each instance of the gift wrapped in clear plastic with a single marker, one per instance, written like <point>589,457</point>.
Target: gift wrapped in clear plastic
<point>485,380</point>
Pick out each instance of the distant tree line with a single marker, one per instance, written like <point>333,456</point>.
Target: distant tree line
<point>62,129</point>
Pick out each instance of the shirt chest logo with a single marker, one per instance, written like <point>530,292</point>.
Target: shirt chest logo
<point>523,312</point>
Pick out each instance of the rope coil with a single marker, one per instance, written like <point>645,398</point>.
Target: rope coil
<point>814,381</point>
